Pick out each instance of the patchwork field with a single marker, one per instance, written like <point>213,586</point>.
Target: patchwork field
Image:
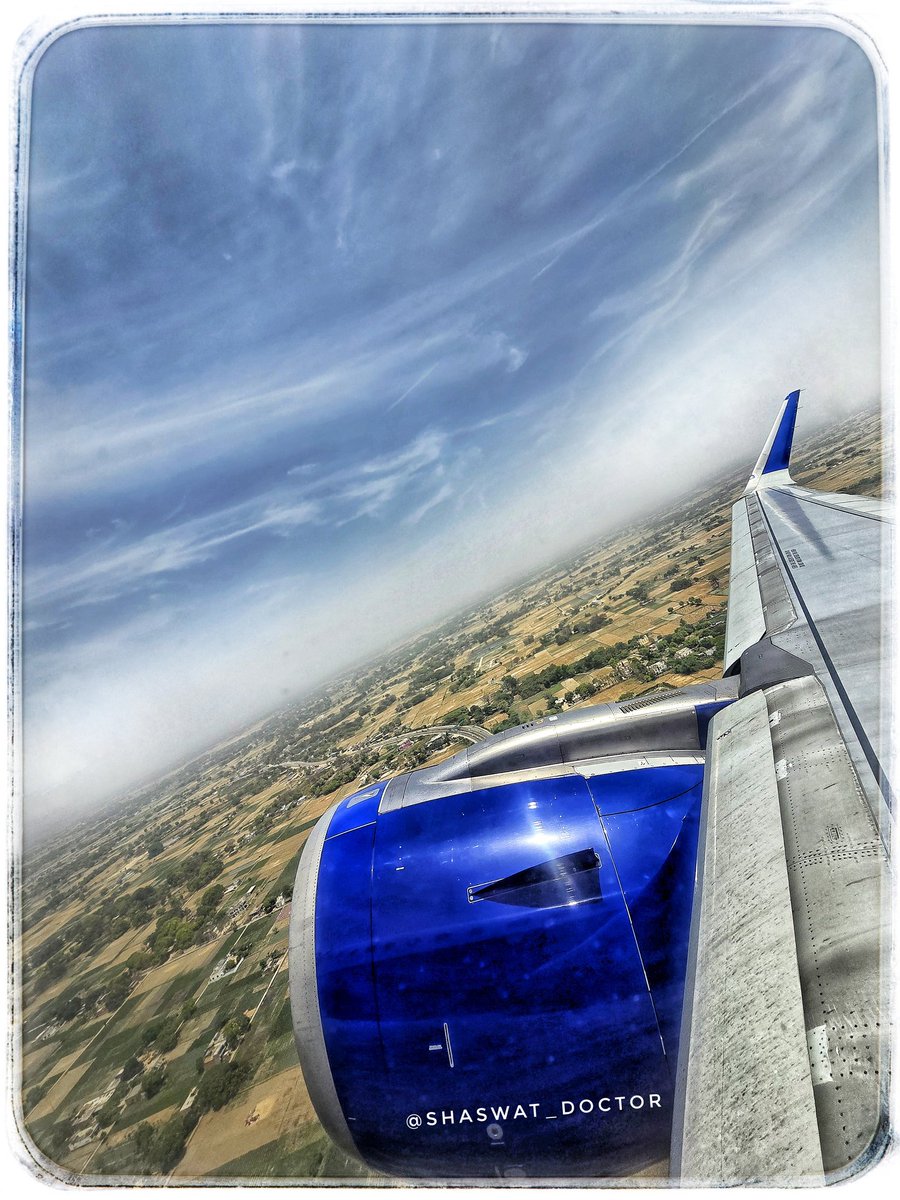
<point>155,1028</point>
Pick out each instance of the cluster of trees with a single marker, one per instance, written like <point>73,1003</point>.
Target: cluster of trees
<point>238,791</point>
<point>220,1083</point>
<point>595,621</point>
<point>640,592</point>
<point>601,656</point>
<point>47,950</point>
<point>153,1081</point>
<point>36,1094</point>
<point>489,632</point>
<point>321,734</point>
<point>109,1113</point>
<point>323,782</point>
<point>118,990</point>
<point>159,1148</point>
<point>560,635</point>
<point>564,632</point>
<point>162,1032</point>
<point>706,634</point>
<point>176,929</point>
<point>173,932</point>
<point>433,669</point>
<point>195,871</point>
<point>234,1029</point>
<point>273,812</point>
<point>407,758</point>
<point>267,818</point>
<point>209,903</point>
<point>120,985</point>
<point>84,933</point>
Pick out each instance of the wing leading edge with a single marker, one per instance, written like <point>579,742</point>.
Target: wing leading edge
<point>782,1075</point>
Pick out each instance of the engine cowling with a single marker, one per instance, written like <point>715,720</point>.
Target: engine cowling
<point>488,957</point>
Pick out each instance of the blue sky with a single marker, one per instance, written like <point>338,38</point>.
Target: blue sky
<point>330,328</point>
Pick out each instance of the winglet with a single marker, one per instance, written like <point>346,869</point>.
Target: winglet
<point>776,454</point>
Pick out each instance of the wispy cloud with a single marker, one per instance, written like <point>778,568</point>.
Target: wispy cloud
<point>103,572</point>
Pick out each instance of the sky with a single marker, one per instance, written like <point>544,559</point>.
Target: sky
<point>331,329</point>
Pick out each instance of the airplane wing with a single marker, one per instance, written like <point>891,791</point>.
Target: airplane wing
<point>782,1068</point>
<point>642,934</point>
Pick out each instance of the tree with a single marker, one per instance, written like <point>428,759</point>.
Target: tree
<point>70,1007</point>
<point>58,1137</point>
<point>117,991</point>
<point>154,847</point>
<point>133,1067</point>
<point>108,1114</point>
<point>168,1145</point>
<point>160,1149</point>
<point>46,950</point>
<point>168,1038</point>
<point>150,1032</point>
<point>184,936</point>
<point>234,1029</point>
<point>139,960</point>
<point>209,901</point>
<point>153,1081</point>
<point>221,1083</point>
<point>54,969</point>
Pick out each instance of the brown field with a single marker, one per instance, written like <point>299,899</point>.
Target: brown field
<point>119,949</point>
<point>280,1103</point>
<point>176,966</point>
<point>60,1089</point>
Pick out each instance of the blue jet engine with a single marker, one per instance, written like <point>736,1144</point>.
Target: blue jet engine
<point>488,956</point>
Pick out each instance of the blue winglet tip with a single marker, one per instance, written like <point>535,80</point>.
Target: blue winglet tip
<point>780,452</point>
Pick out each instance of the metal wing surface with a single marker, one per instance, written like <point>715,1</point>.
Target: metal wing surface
<point>783,1071</point>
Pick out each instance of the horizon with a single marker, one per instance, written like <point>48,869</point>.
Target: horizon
<point>332,360</point>
<point>105,807</point>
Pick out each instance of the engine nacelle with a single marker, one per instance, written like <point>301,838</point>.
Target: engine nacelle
<point>488,956</point>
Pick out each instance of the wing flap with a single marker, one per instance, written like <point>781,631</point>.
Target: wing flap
<point>744,1052</point>
<point>781,1071</point>
<point>839,884</point>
